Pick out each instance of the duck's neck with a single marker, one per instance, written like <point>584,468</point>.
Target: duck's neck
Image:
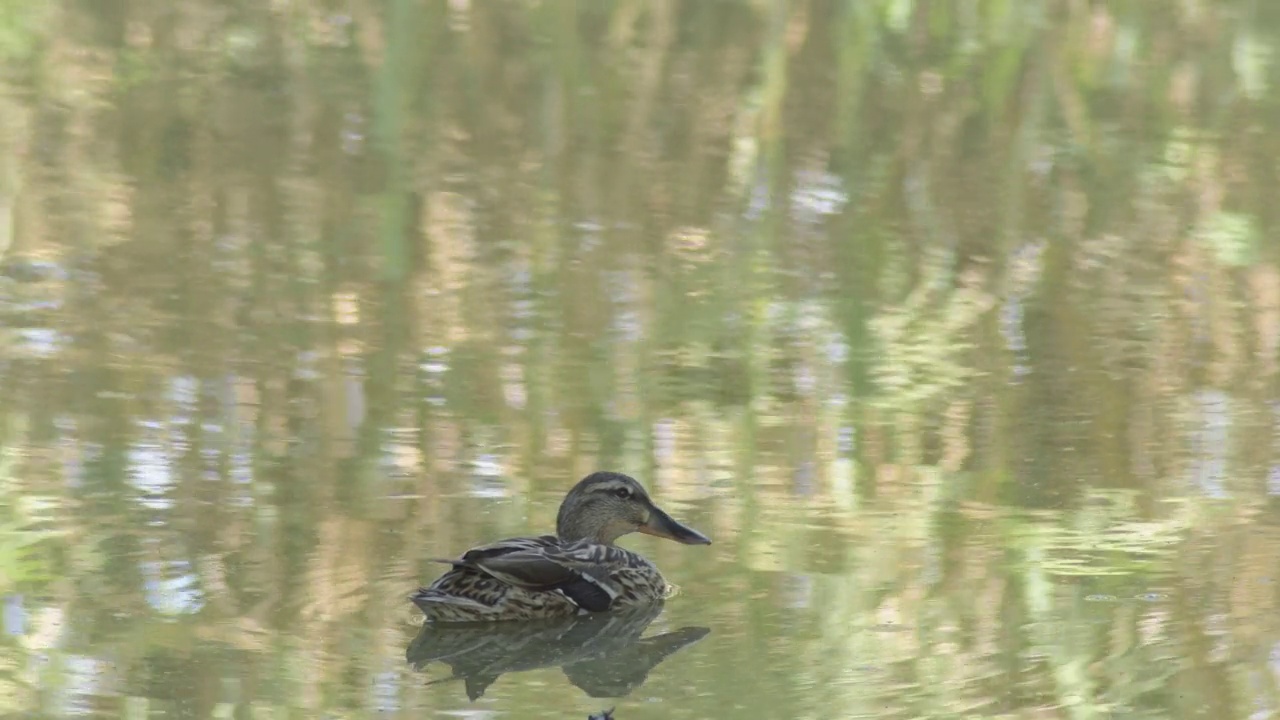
<point>573,528</point>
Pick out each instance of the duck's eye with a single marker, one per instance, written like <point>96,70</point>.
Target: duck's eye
<point>623,493</point>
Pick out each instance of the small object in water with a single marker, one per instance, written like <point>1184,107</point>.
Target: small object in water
<point>606,715</point>
<point>578,570</point>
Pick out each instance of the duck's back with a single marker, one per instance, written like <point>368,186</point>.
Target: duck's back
<point>491,582</point>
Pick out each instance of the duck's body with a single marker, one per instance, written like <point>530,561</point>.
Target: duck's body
<point>577,570</point>
<point>581,577</point>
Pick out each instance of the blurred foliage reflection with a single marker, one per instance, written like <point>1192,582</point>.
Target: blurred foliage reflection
<point>956,324</point>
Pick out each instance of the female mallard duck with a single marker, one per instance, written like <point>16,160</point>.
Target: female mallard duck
<point>577,570</point>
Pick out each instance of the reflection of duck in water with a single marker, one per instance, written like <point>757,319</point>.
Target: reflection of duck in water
<point>603,654</point>
<point>577,570</point>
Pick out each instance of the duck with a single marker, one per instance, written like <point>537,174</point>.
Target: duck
<point>576,571</point>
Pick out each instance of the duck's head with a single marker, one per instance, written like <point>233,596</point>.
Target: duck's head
<point>604,506</point>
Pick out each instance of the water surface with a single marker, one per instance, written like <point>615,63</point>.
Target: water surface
<point>954,324</point>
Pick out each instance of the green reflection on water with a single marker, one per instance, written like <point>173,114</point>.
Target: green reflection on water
<point>955,324</point>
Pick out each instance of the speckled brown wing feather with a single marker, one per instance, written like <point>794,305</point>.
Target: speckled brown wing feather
<point>539,577</point>
<point>581,571</point>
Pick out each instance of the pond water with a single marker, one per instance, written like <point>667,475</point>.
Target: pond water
<point>954,324</point>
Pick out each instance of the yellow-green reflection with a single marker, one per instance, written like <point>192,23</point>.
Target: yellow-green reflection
<point>955,324</point>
